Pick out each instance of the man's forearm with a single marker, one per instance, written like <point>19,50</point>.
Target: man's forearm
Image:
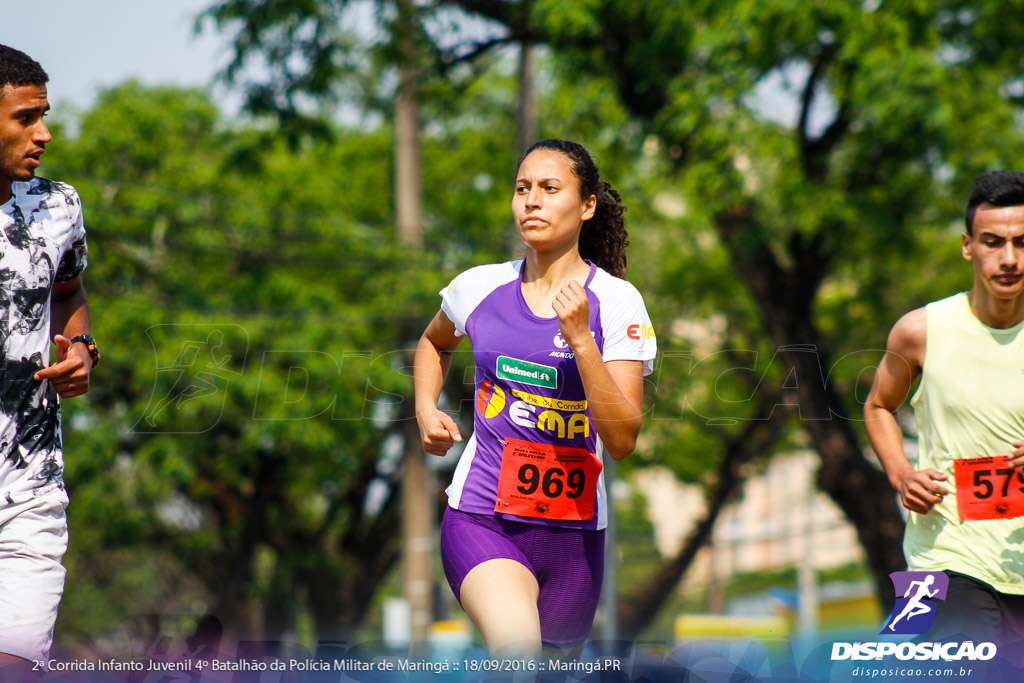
<point>887,441</point>
<point>69,315</point>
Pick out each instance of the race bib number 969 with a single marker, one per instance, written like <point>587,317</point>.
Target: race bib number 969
<point>551,482</point>
<point>988,488</point>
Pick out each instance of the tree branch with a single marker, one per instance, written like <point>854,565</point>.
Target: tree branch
<point>448,59</point>
<point>810,87</point>
<point>512,15</point>
<point>814,150</point>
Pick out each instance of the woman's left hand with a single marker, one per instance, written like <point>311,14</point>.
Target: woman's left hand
<point>573,310</point>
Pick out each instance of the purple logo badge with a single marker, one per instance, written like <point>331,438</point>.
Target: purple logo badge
<point>916,593</point>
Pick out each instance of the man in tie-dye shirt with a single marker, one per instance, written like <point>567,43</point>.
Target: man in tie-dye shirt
<point>42,256</point>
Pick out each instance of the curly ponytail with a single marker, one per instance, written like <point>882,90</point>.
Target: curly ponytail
<point>603,239</point>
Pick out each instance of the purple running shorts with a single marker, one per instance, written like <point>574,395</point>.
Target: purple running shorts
<point>568,564</point>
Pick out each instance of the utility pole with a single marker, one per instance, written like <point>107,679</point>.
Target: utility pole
<point>408,165</point>
<point>807,575</point>
<point>610,591</point>
<point>526,112</point>
<point>417,480</point>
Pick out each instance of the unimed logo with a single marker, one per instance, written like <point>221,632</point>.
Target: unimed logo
<point>916,593</point>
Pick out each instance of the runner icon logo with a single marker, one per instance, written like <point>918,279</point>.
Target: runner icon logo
<point>916,593</point>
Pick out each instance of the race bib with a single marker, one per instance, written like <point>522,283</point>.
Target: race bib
<point>546,481</point>
<point>988,488</point>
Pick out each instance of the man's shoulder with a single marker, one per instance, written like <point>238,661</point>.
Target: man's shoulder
<point>47,193</point>
<point>39,186</point>
<point>909,335</point>
<point>913,323</point>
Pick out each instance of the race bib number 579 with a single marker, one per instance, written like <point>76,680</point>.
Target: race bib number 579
<point>988,488</point>
<point>551,482</point>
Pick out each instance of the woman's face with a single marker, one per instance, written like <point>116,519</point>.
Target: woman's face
<point>546,205</point>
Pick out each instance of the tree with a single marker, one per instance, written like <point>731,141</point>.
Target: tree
<point>236,449</point>
<point>822,218</point>
<point>454,100</point>
<point>818,218</point>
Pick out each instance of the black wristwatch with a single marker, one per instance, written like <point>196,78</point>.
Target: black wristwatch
<point>90,344</point>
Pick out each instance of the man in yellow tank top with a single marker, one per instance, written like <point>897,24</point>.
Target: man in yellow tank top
<point>965,492</point>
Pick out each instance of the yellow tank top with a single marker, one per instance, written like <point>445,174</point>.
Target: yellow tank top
<point>970,404</point>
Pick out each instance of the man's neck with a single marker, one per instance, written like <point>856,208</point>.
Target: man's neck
<point>5,191</point>
<point>996,313</point>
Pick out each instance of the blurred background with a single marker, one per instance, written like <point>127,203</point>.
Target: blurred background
<point>275,191</point>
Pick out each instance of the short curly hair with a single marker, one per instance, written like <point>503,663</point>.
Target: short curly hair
<point>1001,188</point>
<point>17,68</point>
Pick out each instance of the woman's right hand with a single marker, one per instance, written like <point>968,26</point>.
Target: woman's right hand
<point>438,431</point>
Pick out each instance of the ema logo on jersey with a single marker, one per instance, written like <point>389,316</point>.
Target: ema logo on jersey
<point>915,610</point>
<point>490,399</point>
<point>644,332</point>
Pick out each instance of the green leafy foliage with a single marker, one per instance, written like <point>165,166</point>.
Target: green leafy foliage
<point>248,496</point>
<point>229,457</point>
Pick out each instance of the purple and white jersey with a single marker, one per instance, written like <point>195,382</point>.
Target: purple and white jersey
<point>42,241</point>
<point>528,386</point>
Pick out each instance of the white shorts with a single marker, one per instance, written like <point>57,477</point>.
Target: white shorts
<point>33,538</point>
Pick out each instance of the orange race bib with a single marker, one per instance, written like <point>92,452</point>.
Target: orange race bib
<point>551,482</point>
<point>988,488</point>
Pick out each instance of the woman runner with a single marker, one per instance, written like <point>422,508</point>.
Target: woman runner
<point>561,344</point>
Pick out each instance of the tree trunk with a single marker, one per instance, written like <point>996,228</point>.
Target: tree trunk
<point>757,437</point>
<point>785,299</point>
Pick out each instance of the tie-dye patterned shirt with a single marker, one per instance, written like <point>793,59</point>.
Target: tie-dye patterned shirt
<point>533,456</point>
<point>42,241</point>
